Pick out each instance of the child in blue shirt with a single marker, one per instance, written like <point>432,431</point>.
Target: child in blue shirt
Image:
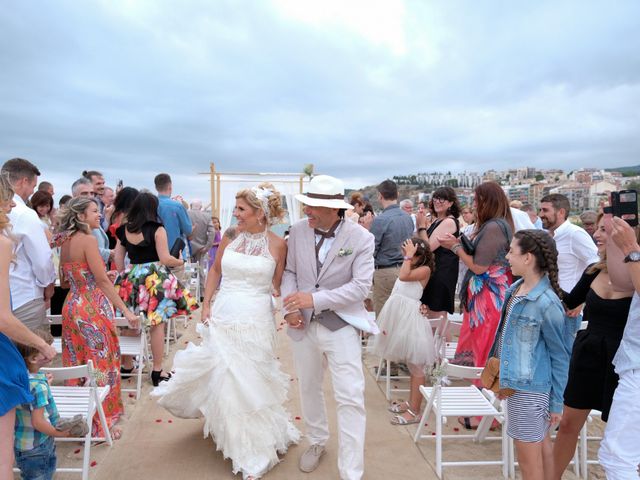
<point>35,429</point>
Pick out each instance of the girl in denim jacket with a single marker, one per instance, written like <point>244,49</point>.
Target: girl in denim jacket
<point>534,355</point>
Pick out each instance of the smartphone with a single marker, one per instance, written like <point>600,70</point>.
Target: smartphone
<point>624,204</point>
<point>120,184</point>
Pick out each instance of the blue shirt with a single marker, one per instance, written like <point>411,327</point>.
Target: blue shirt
<point>26,436</point>
<point>628,354</point>
<point>390,229</point>
<point>175,219</point>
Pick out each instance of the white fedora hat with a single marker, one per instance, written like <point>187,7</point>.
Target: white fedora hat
<point>324,191</point>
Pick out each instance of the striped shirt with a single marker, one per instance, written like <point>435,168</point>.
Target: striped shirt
<point>26,437</point>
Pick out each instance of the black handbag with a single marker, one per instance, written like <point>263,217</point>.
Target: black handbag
<point>467,245</point>
<point>177,247</point>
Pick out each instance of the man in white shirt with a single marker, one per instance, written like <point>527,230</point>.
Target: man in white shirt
<point>84,188</point>
<point>32,275</point>
<point>521,220</point>
<point>576,250</point>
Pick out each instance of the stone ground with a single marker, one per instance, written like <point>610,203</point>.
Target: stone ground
<point>155,445</point>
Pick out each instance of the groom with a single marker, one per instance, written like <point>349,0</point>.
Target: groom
<point>327,277</point>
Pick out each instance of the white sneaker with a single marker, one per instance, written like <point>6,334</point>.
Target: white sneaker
<point>311,458</point>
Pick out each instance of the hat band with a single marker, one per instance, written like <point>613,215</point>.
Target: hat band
<point>322,196</point>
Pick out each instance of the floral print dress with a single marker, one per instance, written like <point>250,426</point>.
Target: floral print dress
<point>89,333</point>
<point>149,287</point>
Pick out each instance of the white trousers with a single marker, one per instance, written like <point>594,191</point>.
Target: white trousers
<point>341,351</point>
<point>619,452</point>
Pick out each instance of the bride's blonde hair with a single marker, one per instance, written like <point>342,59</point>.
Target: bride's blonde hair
<point>266,198</point>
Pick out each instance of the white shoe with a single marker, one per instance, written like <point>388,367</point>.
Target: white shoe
<point>311,458</point>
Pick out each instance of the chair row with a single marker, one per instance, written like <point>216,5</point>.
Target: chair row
<point>133,344</point>
<point>469,401</point>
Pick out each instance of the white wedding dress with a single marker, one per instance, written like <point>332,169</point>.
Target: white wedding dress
<point>233,378</point>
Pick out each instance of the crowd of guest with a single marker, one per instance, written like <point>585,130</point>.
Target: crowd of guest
<point>107,251</point>
<point>103,252</point>
<point>517,259</point>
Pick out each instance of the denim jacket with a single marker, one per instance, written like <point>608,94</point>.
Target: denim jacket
<point>535,351</point>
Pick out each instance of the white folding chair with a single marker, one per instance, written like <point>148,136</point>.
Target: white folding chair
<point>57,341</point>
<point>387,377</point>
<point>583,444</point>
<point>465,401</point>
<point>437,324</point>
<point>171,332</point>
<point>135,346</point>
<point>449,348</point>
<point>85,401</point>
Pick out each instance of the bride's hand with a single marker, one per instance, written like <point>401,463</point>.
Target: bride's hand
<point>294,320</point>
<point>204,313</point>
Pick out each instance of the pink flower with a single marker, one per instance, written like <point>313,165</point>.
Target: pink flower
<point>170,286</point>
<point>143,298</point>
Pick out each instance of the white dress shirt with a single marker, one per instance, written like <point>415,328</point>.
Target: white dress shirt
<point>576,251</point>
<point>521,220</point>
<point>33,267</point>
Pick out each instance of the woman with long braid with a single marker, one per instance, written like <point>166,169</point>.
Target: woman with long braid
<point>533,353</point>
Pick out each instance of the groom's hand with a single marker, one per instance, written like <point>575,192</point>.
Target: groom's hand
<point>298,301</point>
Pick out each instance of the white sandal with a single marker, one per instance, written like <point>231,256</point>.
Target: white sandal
<point>400,420</point>
<point>399,407</point>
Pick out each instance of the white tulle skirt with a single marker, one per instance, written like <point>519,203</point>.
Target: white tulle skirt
<point>405,335</point>
<point>234,381</point>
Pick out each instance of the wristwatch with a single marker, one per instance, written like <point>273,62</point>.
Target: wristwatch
<point>632,257</point>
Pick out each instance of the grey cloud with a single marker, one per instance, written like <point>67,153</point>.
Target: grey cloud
<point>172,87</point>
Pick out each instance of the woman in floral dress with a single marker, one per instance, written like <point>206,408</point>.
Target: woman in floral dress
<point>488,276</point>
<point>88,329</point>
<point>148,286</point>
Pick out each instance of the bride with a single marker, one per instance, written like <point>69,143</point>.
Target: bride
<point>233,378</point>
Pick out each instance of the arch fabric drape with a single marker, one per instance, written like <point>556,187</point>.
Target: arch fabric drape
<point>287,185</point>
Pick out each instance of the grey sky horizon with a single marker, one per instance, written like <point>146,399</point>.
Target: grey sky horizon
<point>364,90</point>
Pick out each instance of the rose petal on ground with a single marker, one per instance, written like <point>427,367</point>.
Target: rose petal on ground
<point>158,420</point>
<point>77,450</point>
<point>93,464</point>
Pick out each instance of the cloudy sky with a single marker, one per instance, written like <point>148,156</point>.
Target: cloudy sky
<point>363,89</point>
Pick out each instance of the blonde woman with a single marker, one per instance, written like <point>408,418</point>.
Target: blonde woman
<point>249,425</point>
<point>88,328</point>
<point>14,380</point>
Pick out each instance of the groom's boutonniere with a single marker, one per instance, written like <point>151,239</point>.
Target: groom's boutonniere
<point>343,252</point>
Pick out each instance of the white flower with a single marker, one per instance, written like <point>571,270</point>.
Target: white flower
<point>343,252</point>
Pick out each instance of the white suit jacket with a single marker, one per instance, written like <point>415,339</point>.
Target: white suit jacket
<point>344,280</point>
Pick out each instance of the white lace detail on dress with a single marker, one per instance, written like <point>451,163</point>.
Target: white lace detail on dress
<point>255,244</point>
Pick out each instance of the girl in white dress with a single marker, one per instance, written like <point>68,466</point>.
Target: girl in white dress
<point>405,335</point>
<point>233,378</point>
